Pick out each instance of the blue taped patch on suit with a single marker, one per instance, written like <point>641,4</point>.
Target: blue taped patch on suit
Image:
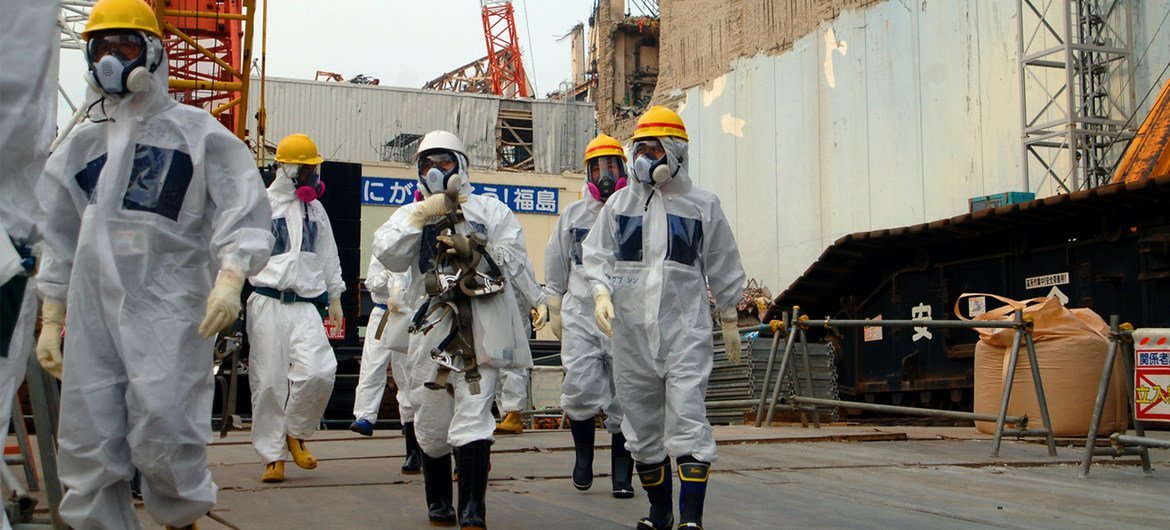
<point>629,238</point>
<point>280,232</point>
<point>686,239</point>
<point>158,181</point>
<point>87,178</point>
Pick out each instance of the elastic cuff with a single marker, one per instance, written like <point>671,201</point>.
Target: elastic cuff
<point>729,315</point>
<point>599,289</point>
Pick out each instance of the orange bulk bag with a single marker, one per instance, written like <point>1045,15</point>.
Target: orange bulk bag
<point>1071,345</point>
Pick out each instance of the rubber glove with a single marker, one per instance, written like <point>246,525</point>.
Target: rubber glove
<point>603,312</point>
<point>731,339</point>
<point>223,304</point>
<point>554,315</point>
<point>335,313</point>
<point>49,343</point>
<point>541,317</point>
<point>431,207</point>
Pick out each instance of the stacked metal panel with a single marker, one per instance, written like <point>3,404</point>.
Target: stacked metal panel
<point>736,383</point>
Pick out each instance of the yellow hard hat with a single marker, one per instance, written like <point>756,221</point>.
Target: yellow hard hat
<point>603,145</point>
<point>659,121</point>
<point>298,149</point>
<point>121,14</point>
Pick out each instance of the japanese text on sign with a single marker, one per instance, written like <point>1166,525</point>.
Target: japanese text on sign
<point>381,191</point>
<point>1152,374</point>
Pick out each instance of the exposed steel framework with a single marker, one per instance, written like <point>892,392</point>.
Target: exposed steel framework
<point>503,49</point>
<point>209,48</point>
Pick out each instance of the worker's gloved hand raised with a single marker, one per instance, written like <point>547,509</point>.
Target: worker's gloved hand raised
<point>541,317</point>
<point>430,208</point>
<point>49,343</point>
<point>223,304</point>
<point>731,339</point>
<point>554,315</point>
<point>603,312</point>
<point>335,313</point>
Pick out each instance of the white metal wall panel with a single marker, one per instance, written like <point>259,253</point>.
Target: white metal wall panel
<point>560,133</point>
<point>918,112</point>
<point>351,122</point>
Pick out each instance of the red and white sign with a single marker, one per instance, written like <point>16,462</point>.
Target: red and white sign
<point>1152,374</point>
<point>335,333</point>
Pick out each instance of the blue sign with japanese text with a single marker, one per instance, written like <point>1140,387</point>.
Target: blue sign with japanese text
<point>380,191</point>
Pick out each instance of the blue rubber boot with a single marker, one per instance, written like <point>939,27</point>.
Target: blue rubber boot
<point>656,481</point>
<point>362,427</point>
<point>692,490</point>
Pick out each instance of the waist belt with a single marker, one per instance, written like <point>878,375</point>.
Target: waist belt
<point>288,297</point>
<point>381,306</point>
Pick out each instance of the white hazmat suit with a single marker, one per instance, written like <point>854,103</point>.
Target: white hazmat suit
<point>141,211</point>
<point>440,422</point>
<point>585,351</point>
<point>656,248</point>
<point>388,291</point>
<point>28,73</point>
<point>291,366</point>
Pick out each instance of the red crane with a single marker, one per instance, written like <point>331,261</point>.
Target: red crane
<point>209,46</point>
<point>503,49</point>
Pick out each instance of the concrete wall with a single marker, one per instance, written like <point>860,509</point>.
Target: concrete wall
<point>890,115</point>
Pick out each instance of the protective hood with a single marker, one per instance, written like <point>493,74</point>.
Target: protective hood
<point>149,102</point>
<point>461,173</point>
<point>283,188</point>
<point>676,162</point>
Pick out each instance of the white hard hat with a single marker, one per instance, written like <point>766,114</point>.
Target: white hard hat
<point>440,140</point>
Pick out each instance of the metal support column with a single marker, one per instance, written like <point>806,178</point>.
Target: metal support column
<point>1121,445</point>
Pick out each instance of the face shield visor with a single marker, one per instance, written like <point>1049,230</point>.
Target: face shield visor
<point>606,175</point>
<point>650,161</point>
<point>307,181</point>
<point>118,61</point>
<point>435,170</point>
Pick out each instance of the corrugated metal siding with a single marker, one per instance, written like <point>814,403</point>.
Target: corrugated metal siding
<point>352,122</point>
<point>560,132</point>
<point>888,116</point>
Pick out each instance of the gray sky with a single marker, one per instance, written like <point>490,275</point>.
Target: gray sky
<point>402,43</point>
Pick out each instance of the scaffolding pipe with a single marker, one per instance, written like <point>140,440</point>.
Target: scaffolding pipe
<point>913,411</point>
<point>1122,440</point>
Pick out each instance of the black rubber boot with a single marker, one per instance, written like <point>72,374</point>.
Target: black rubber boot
<point>413,461</point>
<point>474,460</point>
<point>692,489</point>
<point>622,468</point>
<point>437,477</point>
<point>656,481</point>
<point>584,437</point>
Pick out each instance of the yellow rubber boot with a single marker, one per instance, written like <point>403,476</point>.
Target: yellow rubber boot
<point>301,455</point>
<point>273,472</point>
<point>510,424</point>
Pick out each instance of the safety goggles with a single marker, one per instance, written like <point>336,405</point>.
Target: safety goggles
<point>125,46</point>
<point>444,161</point>
<point>308,175</point>
<point>606,169</point>
<point>650,147</point>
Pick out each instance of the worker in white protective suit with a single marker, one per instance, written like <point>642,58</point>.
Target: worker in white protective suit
<point>386,344</point>
<point>588,388</point>
<point>291,365</point>
<point>144,204</point>
<point>459,415</point>
<point>656,248</point>
<point>28,103</point>
<point>512,390</point>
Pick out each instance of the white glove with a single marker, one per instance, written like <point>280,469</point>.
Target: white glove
<point>431,207</point>
<point>541,317</point>
<point>731,339</point>
<point>554,315</point>
<point>335,313</point>
<point>223,304</point>
<point>603,312</point>
<point>49,343</point>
